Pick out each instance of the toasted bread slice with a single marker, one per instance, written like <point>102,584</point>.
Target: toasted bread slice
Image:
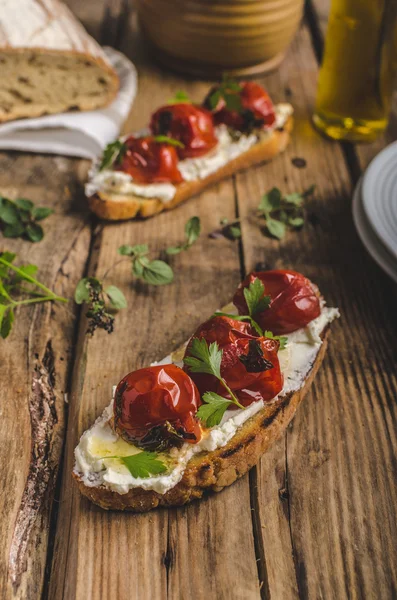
<point>217,469</point>
<point>119,207</point>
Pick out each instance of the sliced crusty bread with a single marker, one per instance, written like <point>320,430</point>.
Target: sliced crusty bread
<point>215,470</point>
<point>119,207</point>
<point>49,63</point>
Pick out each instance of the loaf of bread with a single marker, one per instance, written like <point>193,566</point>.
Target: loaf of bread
<point>48,62</point>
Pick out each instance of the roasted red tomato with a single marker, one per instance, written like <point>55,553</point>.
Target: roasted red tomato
<point>155,408</point>
<point>148,161</point>
<point>257,111</point>
<point>249,364</point>
<point>294,300</point>
<point>189,124</point>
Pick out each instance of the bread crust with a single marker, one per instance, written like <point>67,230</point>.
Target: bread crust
<point>212,471</point>
<point>118,207</point>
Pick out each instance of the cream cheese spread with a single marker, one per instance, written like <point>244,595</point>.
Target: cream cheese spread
<point>100,441</point>
<point>228,148</point>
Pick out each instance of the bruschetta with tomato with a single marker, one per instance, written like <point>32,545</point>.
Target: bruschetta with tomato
<point>203,416</point>
<point>186,148</point>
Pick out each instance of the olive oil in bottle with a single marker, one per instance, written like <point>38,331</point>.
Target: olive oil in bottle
<point>357,73</point>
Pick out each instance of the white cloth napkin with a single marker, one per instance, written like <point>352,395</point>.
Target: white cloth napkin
<point>82,134</point>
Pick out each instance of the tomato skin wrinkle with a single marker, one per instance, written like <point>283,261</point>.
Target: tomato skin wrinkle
<point>233,338</point>
<point>257,109</point>
<point>187,123</point>
<point>155,407</point>
<point>294,300</point>
<point>149,161</point>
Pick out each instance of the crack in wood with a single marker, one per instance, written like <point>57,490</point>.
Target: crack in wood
<point>285,498</point>
<point>264,588</point>
<point>42,469</point>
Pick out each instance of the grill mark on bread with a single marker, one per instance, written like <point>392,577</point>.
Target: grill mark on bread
<point>232,451</point>
<point>267,421</point>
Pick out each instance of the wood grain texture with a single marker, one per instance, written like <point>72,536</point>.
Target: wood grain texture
<point>317,517</point>
<point>34,369</point>
<point>343,439</point>
<point>158,321</point>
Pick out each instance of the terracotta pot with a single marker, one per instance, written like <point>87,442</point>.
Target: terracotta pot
<point>207,37</point>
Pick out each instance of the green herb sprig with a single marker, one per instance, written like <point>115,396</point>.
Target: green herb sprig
<point>257,302</point>
<point>207,359</point>
<point>230,230</point>
<point>180,97</point>
<point>192,232</point>
<point>228,90</point>
<point>280,338</point>
<point>91,292</point>
<point>142,465</point>
<point>165,139</point>
<point>283,211</point>
<point>20,218</point>
<point>113,153</point>
<point>19,281</point>
<point>155,272</point>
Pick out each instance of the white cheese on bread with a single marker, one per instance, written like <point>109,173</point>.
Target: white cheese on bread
<point>100,441</point>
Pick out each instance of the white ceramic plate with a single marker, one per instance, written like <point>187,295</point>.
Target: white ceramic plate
<point>379,196</point>
<point>369,238</point>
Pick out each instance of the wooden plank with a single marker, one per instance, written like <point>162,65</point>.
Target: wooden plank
<point>339,523</point>
<point>35,366</point>
<point>157,321</point>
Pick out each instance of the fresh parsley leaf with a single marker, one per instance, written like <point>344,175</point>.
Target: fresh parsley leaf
<point>281,338</point>
<point>13,231</point>
<point>270,201</point>
<point>24,204</point>
<point>138,250</point>
<point>143,464</point>
<point>41,212</point>
<point>204,358</point>
<point>255,297</point>
<point>276,228</point>
<point>82,291</point>
<point>253,323</point>
<point>296,222</point>
<point>213,409</point>
<point>113,152</point>
<point>9,212</point>
<point>154,272</point>
<point>281,212</point>
<point>231,231</point>
<point>164,139</point>
<point>296,199</point>
<point>35,232</point>
<point>157,272</point>
<point>19,219</point>
<point>229,91</point>
<point>116,297</point>
<point>180,97</point>
<point>235,231</point>
<point>192,232</point>
<point>7,322</point>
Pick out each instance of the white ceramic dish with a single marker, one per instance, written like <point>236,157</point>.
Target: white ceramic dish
<point>373,244</point>
<point>379,196</point>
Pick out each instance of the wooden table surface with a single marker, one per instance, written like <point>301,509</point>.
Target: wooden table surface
<point>317,517</point>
